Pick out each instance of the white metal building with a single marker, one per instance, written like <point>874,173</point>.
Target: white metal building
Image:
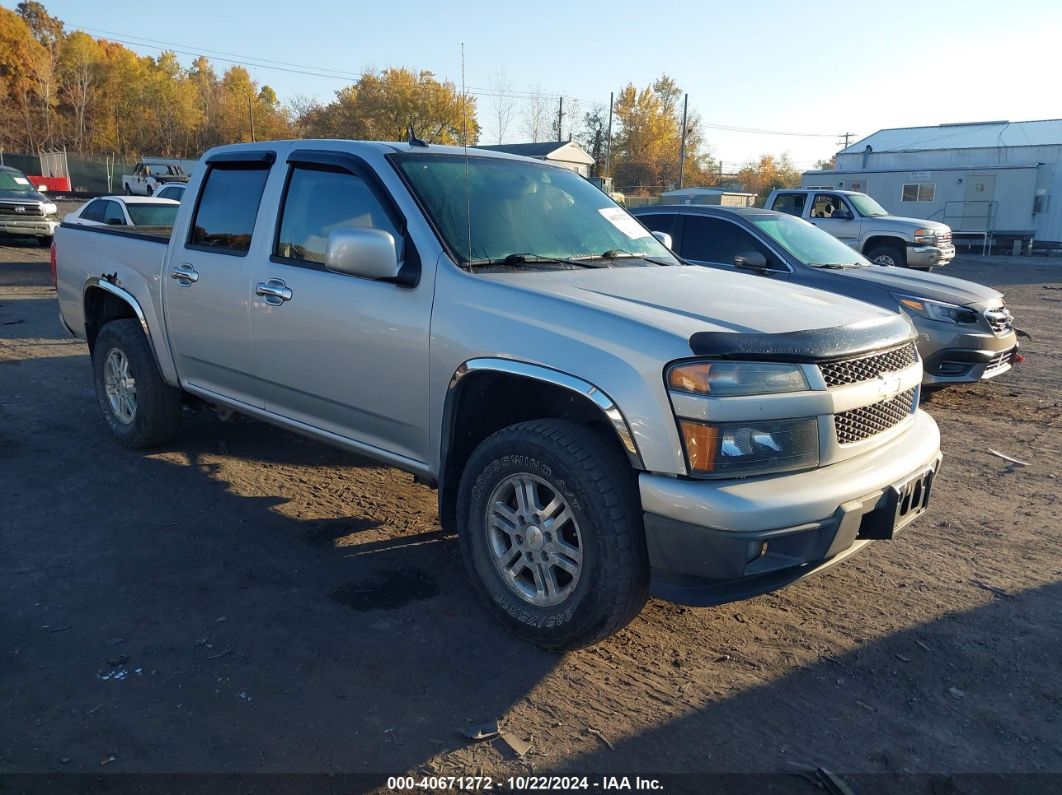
<point>563,153</point>
<point>998,181</point>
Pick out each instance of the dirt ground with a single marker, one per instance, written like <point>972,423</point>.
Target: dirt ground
<point>245,600</point>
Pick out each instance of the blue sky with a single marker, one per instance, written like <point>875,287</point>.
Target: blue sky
<point>816,68</point>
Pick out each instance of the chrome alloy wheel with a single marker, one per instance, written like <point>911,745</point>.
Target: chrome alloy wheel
<point>120,386</point>
<point>534,540</point>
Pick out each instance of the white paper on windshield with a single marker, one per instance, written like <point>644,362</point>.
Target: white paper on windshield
<point>21,180</point>
<point>623,222</point>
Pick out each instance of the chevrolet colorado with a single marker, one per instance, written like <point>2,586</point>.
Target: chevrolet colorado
<point>601,420</point>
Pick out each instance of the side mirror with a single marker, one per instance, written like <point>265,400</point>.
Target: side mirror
<point>664,238</point>
<point>753,260</point>
<point>115,222</point>
<point>361,251</point>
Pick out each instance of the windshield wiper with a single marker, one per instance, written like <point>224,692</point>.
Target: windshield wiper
<point>619,253</point>
<point>524,258</point>
<point>834,266</point>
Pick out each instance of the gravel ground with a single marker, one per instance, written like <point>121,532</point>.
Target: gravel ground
<point>245,600</point>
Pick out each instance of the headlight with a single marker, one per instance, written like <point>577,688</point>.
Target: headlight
<point>750,448</point>
<point>50,209</point>
<point>926,237</point>
<point>937,310</point>
<point>730,379</point>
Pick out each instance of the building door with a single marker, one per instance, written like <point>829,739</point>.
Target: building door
<point>978,203</point>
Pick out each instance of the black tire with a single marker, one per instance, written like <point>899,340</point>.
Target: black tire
<point>601,490</point>
<point>128,191</point>
<point>157,413</point>
<point>888,255</point>
<point>44,242</point>
<point>149,190</point>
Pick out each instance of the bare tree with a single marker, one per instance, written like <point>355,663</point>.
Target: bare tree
<point>503,105</point>
<point>538,115</point>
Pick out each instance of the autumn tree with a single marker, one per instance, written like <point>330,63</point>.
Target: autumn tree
<point>767,173</point>
<point>593,137</point>
<point>383,106</point>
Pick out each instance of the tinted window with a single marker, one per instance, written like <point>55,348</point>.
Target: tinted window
<point>94,210</point>
<point>152,214</point>
<point>661,222</point>
<point>716,240</point>
<point>112,214</point>
<point>792,203</point>
<point>829,205</point>
<point>228,206</point>
<point>171,192</point>
<point>319,201</point>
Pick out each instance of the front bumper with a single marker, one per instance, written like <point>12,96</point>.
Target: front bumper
<point>930,256</point>
<point>29,227</point>
<point>713,541</point>
<point>952,356</point>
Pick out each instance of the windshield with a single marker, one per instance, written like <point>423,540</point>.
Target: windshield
<point>516,207</point>
<point>807,243</point>
<point>14,183</point>
<point>866,205</point>
<point>152,214</point>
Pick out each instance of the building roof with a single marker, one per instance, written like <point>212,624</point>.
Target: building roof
<point>977,135</point>
<point>551,150</point>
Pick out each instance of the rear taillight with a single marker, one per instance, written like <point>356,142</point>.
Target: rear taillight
<point>51,262</point>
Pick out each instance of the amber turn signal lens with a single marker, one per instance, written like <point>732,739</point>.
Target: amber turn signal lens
<point>702,443</point>
<point>912,304</point>
<point>690,378</point>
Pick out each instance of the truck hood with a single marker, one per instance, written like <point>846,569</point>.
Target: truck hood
<point>688,300</point>
<point>919,284</point>
<point>882,222</point>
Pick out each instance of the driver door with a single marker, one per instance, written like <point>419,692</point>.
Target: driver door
<point>832,213</point>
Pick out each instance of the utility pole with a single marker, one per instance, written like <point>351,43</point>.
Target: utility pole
<point>250,114</point>
<point>682,146</point>
<point>608,143</point>
<point>560,120</point>
<point>848,136</point>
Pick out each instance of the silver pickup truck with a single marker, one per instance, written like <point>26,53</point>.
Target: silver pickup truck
<point>600,420</point>
<point>864,225</point>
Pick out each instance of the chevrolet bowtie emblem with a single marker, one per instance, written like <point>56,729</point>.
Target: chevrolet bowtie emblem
<point>889,385</point>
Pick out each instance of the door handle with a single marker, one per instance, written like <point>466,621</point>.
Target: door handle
<point>185,274</point>
<point>274,291</point>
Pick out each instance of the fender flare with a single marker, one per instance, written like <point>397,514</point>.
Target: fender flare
<point>537,372</point>
<point>126,297</point>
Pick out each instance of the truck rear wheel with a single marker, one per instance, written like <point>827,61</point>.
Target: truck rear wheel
<point>140,408</point>
<point>552,535</point>
<point>887,255</point>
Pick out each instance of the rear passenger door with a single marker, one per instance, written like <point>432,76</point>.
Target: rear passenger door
<point>208,279</point>
<point>340,353</point>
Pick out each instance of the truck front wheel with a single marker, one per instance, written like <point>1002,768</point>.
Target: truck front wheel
<point>140,408</point>
<point>551,532</point>
<point>887,255</point>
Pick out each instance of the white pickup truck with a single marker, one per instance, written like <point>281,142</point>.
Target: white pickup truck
<point>600,419</point>
<point>147,178</point>
<point>865,226</point>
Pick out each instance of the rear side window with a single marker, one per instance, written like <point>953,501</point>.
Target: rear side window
<point>94,210</point>
<point>227,209</point>
<point>319,201</point>
<point>791,203</point>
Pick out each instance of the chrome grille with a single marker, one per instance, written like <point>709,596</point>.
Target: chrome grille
<point>22,210</point>
<point>1000,319</point>
<point>867,368</point>
<point>1000,361</point>
<point>864,422</point>
<point>943,237</point>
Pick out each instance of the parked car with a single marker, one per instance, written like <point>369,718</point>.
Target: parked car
<point>138,211</point>
<point>965,331</point>
<point>864,225</point>
<point>599,418</point>
<point>173,191</point>
<point>147,178</point>
<point>24,210</point>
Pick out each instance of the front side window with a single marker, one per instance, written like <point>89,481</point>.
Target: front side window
<point>320,200</point>
<point>918,192</point>
<point>715,240</point>
<point>228,207</point>
<point>489,209</point>
<point>113,215</point>
<point>830,205</point>
<point>790,203</point>
<point>152,214</point>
